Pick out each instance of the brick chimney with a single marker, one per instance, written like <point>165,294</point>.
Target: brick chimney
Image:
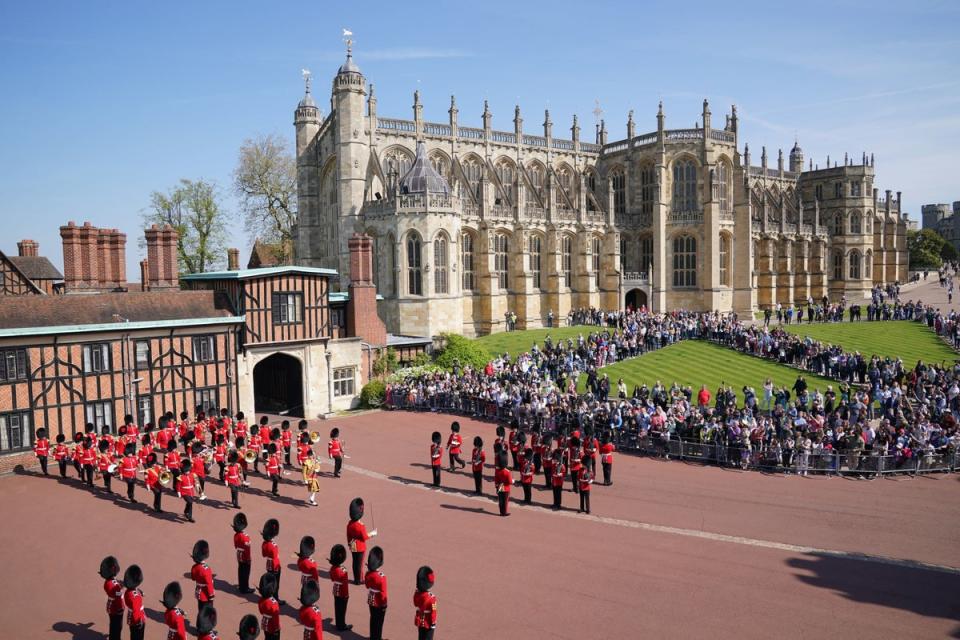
<point>144,275</point>
<point>233,259</point>
<point>28,248</point>
<point>81,261</point>
<point>362,318</point>
<point>112,259</point>
<point>163,268</point>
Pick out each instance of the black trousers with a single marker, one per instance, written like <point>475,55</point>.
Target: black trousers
<point>537,462</point>
<point>43,464</point>
<point>63,468</point>
<point>276,574</point>
<point>188,507</point>
<point>337,465</point>
<point>377,614</point>
<point>223,470</point>
<point>455,459</point>
<point>202,481</point>
<point>436,475</point>
<point>243,576</point>
<point>157,495</point>
<point>557,496</point>
<point>573,479</point>
<point>425,634</point>
<point>271,636</point>
<point>546,477</point>
<point>274,481</point>
<point>478,481</point>
<point>235,495</point>
<point>340,612</point>
<point>116,626</point>
<point>131,485</point>
<point>357,566</point>
<point>286,454</point>
<point>201,605</point>
<point>527,493</point>
<point>79,469</point>
<point>607,472</point>
<point>136,633</point>
<point>503,499</point>
<point>107,476</point>
<point>585,501</point>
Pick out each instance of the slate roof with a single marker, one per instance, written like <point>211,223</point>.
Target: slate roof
<point>36,267</point>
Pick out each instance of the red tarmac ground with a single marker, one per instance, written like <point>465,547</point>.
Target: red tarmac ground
<point>671,550</point>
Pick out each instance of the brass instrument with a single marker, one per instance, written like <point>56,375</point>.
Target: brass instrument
<point>207,455</point>
<point>166,478</point>
<point>249,455</point>
<point>315,437</point>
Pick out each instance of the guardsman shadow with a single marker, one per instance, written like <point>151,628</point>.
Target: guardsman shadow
<point>282,499</point>
<point>157,616</point>
<point>457,507</point>
<point>538,488</point>
<point>78,630</point>
<point>330,629</point>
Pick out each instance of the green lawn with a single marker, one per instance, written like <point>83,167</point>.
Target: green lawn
<point>515,342</point>
<point>695,362</point>
<point>910,341</point>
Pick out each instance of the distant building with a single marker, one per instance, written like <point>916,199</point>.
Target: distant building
<point>943,220</point>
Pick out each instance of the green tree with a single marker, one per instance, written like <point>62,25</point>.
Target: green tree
<point>386,363</point>
<point>265,182</point>
<point>924,247</point>
<point>948,252</point>
<point>193,209</point>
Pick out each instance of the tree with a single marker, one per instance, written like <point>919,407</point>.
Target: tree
<point>924,247</point>
<point>193,209</point>
<point>948,252</point>
<point>265,181</point>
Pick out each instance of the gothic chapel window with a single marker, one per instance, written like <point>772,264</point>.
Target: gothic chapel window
<point>440,263</point>
<point>466,260</point>
<point>685,186</point>
<point>414,266</point>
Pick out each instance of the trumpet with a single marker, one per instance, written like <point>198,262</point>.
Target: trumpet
<point>249,455</point>
<point>207,455</point>
<point>314,437</point>
<point>166,478</point>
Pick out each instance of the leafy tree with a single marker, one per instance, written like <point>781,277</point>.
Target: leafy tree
<point>386,363</point>
<point>193,209</point>
<point>460,352</point>
<point>265,181</point>
<point>924,247</point>
<point>948,252</point>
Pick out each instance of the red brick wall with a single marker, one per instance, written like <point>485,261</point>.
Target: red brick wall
<point>362,318</point>
<point>162,266</point>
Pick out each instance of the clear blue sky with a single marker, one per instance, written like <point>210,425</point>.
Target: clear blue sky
<point>104,102</point>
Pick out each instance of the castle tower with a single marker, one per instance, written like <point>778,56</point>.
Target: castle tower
<point>796,158</point>
<point>306,120</point>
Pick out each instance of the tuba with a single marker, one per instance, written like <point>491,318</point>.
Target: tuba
<point>314,437</point>
<point>249,455</point>
<point>165,478</point>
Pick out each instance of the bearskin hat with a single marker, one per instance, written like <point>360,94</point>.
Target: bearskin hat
<point>425,578</point>
<point>356,509</point>
<point>172,444</point>
<point>78,437</point>
<point>130,449</point>
<point>455,427</point>
<point>264,420</point>
<point>501,460</point>
<point>275,433</point>
<point>375,559</point>
<point>172,595</point>
<point>307,546</point>
<point>436,437</point>
<point>41,433</point>
<point>528,453</point>
<point>145,440</point>
<point>151,459</point>
<point>271,529</point>
<point>240,415</point>
<point>133,577</point>
<point>272,448</point>
<point>103,445</point>
<point>233,457</point>
<point>309,593</point>
<point>501,431</point>
<point>254,430</point>
<point>477,441</point>
<point>201,551</point>
<point>109,568</point>
<point>338,553</point>
<point>206,620</point>
<point>239,521</point>
<point>335,432</point>
<point>268,585</point>
<point>249,627</point>
<point>185,465</point>
<point>304,437</point>
<point>196,447</point>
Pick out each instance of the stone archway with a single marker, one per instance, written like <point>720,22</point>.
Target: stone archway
<point>635,299</point>
<point>278,385</point>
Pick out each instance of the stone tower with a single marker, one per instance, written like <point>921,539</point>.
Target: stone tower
<point>306,120</point>
<point>796,158</point>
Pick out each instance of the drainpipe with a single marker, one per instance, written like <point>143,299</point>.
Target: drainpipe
<point>329,383</point>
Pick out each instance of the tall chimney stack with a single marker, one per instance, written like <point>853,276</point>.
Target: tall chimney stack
<point>162,272</point>
<point>144,275</point>
<point>28,248</point>
<point>233,259</point>
<point>362,318</point>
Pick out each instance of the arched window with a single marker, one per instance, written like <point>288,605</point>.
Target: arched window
<point>854,265</point>
<point>838,224</point>
<point>537,176</point>
<point>440,265</point>
<point>536,248</point>
<point>566,260</point>
<point>595,247</point>
<point>414,266</point>
<point>396,163</point>
<point>685,186</point>
<point>473,171</point>
<point>855,223</point>
<point>646,254</point>
<point>648,184</point>
<point>501,260</point>
<point>868,264</point>
<point>684,261</point>
<point>564,184</point>
<point>590,178</point>
<point>838,265</point>
<point>466,260</point>
<point>440,165</point>
<point>721,186</point>
<point>506,175</point>
<point>724,260</point>
<point>619,180</point>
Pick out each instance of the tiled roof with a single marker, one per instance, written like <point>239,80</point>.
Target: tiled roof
<point>104,308</point>
<point>36,267</point>
<point>265,254</point>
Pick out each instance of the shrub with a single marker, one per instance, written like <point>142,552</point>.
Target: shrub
<point>462,352</point>
<point>372,394</point>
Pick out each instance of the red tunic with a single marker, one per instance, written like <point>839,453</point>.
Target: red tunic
<point>241,543</point>
<point>426,605</point>
<point>220,453</point>
<point>477,459</point>
<point>88,457</point>
<point>233,475</point>
<point>203,576</point>
<point>334,448</point>
<point>308,570</point>
<point>176,626</point>
<point>133,599</point>
<point>436,455</point>
<point>42,448</point>
<point>172,461</point>
<point>128,468</point>
<point>585,479</point>
<point>357,536</point>
<point>104,462</point>
<point>340,580</point>
<point>269,615</point>
<point>503,479</point>
<point>573,458</point>
<point>163,437</point>
<point>454,442</point>
<point>152,477</point>
<point>271,552</point>
<point>60,452</point>
<point>606,453</point>
<point>286,438</point>
<point>273,466</point>
<point>114,591</point>
<point>145,451</point>
<point>304,451</point>
<point>185,484</point>
<point>526,472</point>
<point>376,584</point>
<point>559,471</point>
<point>312,622</point>
<point>198,467</point>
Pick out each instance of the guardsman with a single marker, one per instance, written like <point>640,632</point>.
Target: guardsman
<point>477,459</point>
<point>241,544</point>
<point>133,601</point>
<point>151,478</point>
<point>201,574</point>
<point>132,430</point>
<point>60,454</point>
<point>501,438</point>
<point>173,616</point>
<point>535,439</point>
<point>240,427</point>
<point>206,624</point>
<point>41,448</point>
<point>286,440</point>
<point>199,467</point>
<point>335,451</point>
<point>585,479</point>
<point>255,443</point>
<point>425,603</point>
<point>376,584</point>
<point>311,478</point>
<point>163,435</point>
<point>146,448</point>
<point>502,478</point>
<point>104,462</point>
<point>513,443</point>
<point>249,627</point>
<point>76,454</point>
<point>526,475</point>
<point>88,457</point>
<point>606,458</point>
<point>304,450</point>
<point>109,568</point>
<point>590,448</point>
<point>240,445</point>
<point>120,443</point>
<point>220,455</point>
<point>574,462</point>
<point>128,470</point>
<point>546,457</point>
<point>436,456</point>
<point>172,459</point>
<point>273,468</point>
<point>357,537</point>
<point>233,477</point>
<point>309,614</point>
<point>454,445</point>
<point>305,562</point>
<point>271,552</point>
<point>341,586</point>
<point>269,607</point>
<point>558,472</point>
<point>186,485</point>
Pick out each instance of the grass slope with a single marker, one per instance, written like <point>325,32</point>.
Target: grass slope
<point>908,340</point>
<point>695,362</point>
<point>515,342</point>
